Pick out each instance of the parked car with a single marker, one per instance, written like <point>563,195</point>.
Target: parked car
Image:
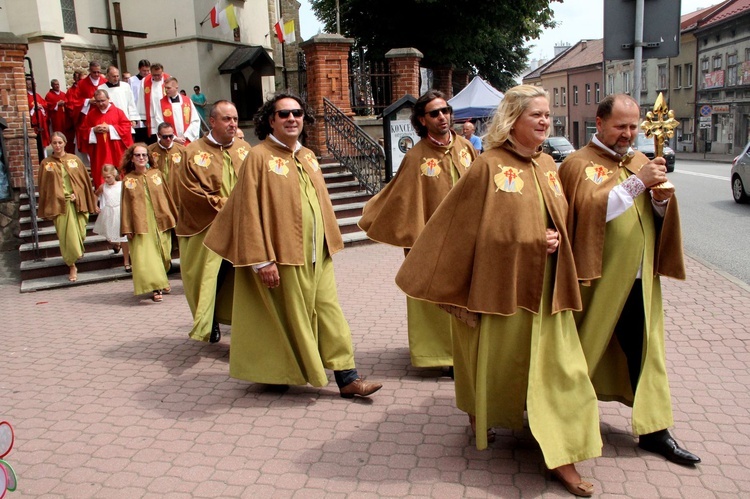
<point>647,147</point>
<point>740,176</point>
<point>558,148</point>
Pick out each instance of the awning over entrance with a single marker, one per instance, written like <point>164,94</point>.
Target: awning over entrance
<point>253,56</point>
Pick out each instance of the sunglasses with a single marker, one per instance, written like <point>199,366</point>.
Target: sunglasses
<point>140,155</point>
<point>447,111</point>
<point>168,137</point>
<point>284,113</point>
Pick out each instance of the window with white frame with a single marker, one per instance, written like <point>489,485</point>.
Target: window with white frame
<point>689,75</point>
<point>556,93</point>
<point>678,76</point>
<point>564,96</point>
<point>588,93</point>
<point>626,82</point>
<point>597,93</point>
<point>575,95</point>
<point>69,16</point>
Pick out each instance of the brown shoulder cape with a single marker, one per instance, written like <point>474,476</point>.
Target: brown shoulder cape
<point>199,183</point>
<point>398,213</point>
<point>262,220</point>
<point>51,193</point>
<point>133,215</point>
<point>485,247</point>
<point>588,212</point>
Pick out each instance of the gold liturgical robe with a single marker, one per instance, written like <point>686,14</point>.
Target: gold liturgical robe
<point>608,257</point>
<point>280,211</point>
<point>397,215</point>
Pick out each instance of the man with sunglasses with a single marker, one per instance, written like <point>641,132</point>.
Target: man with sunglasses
<point>398,213</point>
<point>84,101</point>
<point>279,230</point>
<point>204,184</point>
<point>168,156</point>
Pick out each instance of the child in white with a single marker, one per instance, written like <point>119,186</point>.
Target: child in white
<point>108,221</point>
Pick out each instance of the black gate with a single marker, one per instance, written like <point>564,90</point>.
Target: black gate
<point>369,84</point>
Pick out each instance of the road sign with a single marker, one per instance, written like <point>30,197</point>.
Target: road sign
<point>704,125</point>
<point>661,29</point>
<point>705,119</point>
<point>705,110</point>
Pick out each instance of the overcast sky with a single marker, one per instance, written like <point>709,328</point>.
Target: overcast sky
<point>578,19</point>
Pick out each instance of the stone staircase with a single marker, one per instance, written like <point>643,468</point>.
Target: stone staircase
<point>44,268</point>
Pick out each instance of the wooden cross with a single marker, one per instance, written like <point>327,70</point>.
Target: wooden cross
<point>120,34</point>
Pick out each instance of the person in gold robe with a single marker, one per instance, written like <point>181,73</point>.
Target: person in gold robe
<point>203,186</point>
<point>66,196</point>
<point>398,213</point>
<point>496,253</point>
<point>279,230</point>
<point>625,235</point>
<point>146,217</point>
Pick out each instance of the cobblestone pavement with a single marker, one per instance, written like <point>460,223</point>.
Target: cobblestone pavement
<point>110,399</point>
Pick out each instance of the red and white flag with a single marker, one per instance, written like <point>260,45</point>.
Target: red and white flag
<point>279,27</point>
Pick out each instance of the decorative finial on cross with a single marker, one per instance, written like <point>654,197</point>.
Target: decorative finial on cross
<point>657,127</point>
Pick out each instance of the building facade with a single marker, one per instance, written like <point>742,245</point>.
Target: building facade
<point>227,64</point>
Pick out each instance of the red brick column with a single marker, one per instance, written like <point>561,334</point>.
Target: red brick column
<point>460,79</point>
<point>404,65</point>
<point>327,58</point>
<point>14,105</point>
<point>442,79</point>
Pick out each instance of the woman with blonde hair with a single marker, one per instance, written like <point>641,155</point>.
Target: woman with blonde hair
<point>147,215</point>
<point>496,254</point>
<point>66,196</point>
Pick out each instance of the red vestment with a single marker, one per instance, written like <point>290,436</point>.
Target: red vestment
<point>166,112</point>
<point>59,117</point>
<point>84,91</point>
<point>39,117</point>
<point>146,96</point>
<point>106,149</point>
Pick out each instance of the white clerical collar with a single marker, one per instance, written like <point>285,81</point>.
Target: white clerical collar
<point>616,154</point>
<point>297,145</point>
<point>211,138</point>
<point>165,148</point>
<point>93,81</point>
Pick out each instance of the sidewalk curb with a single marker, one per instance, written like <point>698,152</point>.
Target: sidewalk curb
<point>714,268</point>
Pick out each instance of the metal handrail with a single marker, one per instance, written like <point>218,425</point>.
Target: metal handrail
<point>353,148</point>
<point>28,173</point>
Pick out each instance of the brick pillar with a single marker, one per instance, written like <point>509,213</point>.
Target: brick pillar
<point>404,65</point>
<point>442,79</point>
<point>460,79</point>
<point>327,58</point>
<point>14,105</point>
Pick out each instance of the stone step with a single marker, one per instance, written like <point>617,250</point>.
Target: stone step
<point>355,238</point>
<point>349,197</point>
<point>47,267</point>
<point>50,249</point>
<point>48,233</point>
<point>348,210</point>
<point>332,178</point>
<point>84,277</point>
<point>348,225</point>
<point>342,186</point>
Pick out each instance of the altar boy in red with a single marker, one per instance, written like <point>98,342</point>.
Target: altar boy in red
<point>107,130</point>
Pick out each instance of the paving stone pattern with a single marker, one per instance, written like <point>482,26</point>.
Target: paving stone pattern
<point>110,399</point>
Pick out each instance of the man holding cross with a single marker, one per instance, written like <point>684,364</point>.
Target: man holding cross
<point>625,232</point>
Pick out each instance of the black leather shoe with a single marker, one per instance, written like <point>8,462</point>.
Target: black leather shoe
<point>215,333</point>
<point>661,442</point>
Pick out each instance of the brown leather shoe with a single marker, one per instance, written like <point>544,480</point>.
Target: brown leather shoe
<point>360,387</point>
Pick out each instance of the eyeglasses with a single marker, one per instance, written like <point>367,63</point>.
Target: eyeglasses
<point>140,155</point>
<point>168,137</point>
<point>284,113</point>
<point>447,111</point>
<point>101,101</point>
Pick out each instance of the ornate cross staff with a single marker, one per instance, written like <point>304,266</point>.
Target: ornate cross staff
<point>658,128</point>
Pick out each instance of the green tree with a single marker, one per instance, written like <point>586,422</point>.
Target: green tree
<point>486,38</point>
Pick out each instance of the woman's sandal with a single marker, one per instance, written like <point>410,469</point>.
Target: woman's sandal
<point>157,297</point>
<point>580,489</point>
<point>116,248</point>
<point>473,423</point>
<point>128,269</point>
<point>167,290</point>
<point>73,275</point>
